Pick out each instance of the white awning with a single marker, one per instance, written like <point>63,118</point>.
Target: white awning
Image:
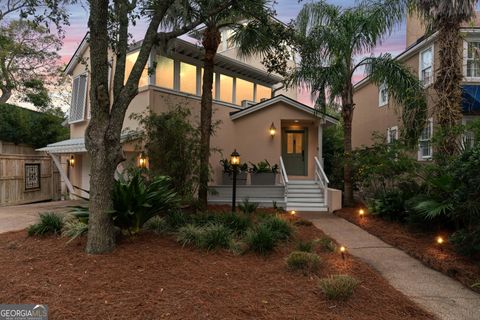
<point>77,145</point>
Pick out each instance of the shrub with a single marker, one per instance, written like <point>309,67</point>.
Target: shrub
<point>237,223</point>
<point>326,244</point>
<point>238,247</point>
<point>50,223</point>
<point>215,236</point>
<point>261,239</point>
<point>281,228</point>
<point>74,228</point>
<point>176,219</point>
<point>307,246</point>
<point>248,207</point>
<point>466,242</point>
<point>338,287</point>
<point>157,224</point>
<point>190,235</point>
<point>303,261</point>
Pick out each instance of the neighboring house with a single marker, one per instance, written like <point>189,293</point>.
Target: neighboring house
<point>248,102</point>
<point>373,108</point>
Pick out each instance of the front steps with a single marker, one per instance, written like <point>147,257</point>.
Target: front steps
<point>305,195</point>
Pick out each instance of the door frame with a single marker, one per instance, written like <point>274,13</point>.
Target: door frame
<point>283,150</point>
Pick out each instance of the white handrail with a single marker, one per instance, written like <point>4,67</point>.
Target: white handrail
<point>283,172</point>
<point>320,172</point>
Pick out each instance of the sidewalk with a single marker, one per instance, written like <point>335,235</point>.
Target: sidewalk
<point>437,293</point>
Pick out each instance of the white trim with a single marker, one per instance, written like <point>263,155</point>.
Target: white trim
<point>420,156</point>
<point>280,98</point>
<point>77,56</point>
<point>388,133</point>
<point>432,49</point>
<point>63,174</point>
<point>382,103</point>
<point>465,59</point>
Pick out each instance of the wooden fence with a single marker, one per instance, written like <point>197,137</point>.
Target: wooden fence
<point>27,178</point>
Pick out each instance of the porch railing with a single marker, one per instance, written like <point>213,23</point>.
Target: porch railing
<point>284,178</point>
<point>321,179</point>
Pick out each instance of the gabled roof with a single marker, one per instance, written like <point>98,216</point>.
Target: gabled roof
<point>289,101</point>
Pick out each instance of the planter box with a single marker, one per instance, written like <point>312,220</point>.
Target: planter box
<point>227,179</point>
<point>264,178</point>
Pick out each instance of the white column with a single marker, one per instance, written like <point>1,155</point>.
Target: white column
<point>63,174</point>
<point>320,141</point>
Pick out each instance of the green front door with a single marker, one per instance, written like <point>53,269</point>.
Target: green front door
<point>294,151</point>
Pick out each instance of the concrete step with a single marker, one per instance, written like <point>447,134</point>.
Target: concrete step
<point>304,182</point>
<point>306,195</point>
<point>304,191</point>
<point>309,209</point>
<point>303,186</point>
<point>305,200</point>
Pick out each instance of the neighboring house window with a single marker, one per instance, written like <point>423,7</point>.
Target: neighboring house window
<point>426,66</point>
<point>382,95</point>
<point>425,142</point>
<point>473,59</point>
<point>79,98</point>
<point>392,134</point>
<point>32,176</point>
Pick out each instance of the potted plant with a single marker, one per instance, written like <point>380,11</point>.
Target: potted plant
<point>227,176</point>
<point>263,173</point>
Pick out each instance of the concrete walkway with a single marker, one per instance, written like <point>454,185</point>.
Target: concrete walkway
<point>444,297</point>
<point>13,218</point>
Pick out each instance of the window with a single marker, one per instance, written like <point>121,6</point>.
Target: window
<point>294,142</point>
<point>392,134</point>
<point>426,66</point>
<point>79,98</point>
<point>226,88</point>
<point>263,93</point>
<point>425,142</point>
<point>32,176</point>
<point>244,91</point>
<point>129,62</point>
<point>164,72</point>
<point>473,59</point>
<point>382,95</point>
<point>188,78</point>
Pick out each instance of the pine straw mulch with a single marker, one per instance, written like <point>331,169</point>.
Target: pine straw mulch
<point>153,277</point>
<point>420,245</point>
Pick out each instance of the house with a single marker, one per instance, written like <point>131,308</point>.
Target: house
<point>248,102</point>
<point>373,108</point>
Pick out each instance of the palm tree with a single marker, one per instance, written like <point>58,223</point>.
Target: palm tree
<point>331,39</point>
<point>446,17</point>
<point>234,19</point>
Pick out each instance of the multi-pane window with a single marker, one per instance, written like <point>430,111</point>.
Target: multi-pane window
<point>164,72</point>
<point>129,63</point>
<point>392,134</point>
<point>244,90</point>
<point>188,78</point>
<point>382,95</point>
<point>425,141</point>
<point>426,66</point>
<point>473,59</point>
<point>79,98</point>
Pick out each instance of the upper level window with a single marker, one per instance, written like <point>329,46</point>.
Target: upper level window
<point>263,93</point>
<point>473,59</point>
<point>226,88</point>
<point>426,66</point>
<point>425,142</point>
<point>129,62</point>
<point>188,78</point>
<point>382,95</point>
<point>79,98</point>
<point>226,43</point>
<point>244,91</point>
<point>392,134</point>
<point>164,72</point>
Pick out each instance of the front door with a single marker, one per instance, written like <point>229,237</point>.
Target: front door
<point>294,151</point>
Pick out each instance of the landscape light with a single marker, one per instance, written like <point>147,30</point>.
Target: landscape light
<point>342,251</point>
<point>440,240</point>
<point>293,212</point>
<point>361,213</point>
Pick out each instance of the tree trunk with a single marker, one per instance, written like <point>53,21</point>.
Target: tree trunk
<point>448,107</point>
<point>6,94</point>
<point>347,115</point>
<point>211,41</point>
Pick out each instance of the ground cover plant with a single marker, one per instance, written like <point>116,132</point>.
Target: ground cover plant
<point>50,223</point>
<point>152,276</point>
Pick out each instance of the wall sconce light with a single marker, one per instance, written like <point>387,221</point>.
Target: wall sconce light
<point>142,161</point>
<point>71,161</point>
<point>272,130</point>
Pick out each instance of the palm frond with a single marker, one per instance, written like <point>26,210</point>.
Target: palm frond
<point>432,209</point>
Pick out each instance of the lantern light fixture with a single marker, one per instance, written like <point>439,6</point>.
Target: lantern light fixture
<point>235,158</point>
<point>71,161</point>
<point>272,130</point>
<point>142,161</point>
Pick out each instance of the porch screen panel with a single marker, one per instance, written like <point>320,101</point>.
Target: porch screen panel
<point>244,91</point>
<point>129,62</point>
<point>263,93</point>
<point>226,88</point>
<point>188,78</point>
<point>164,72</point>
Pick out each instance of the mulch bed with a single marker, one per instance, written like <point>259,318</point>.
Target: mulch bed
<point>420,245</point>
<point>153,277</point>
